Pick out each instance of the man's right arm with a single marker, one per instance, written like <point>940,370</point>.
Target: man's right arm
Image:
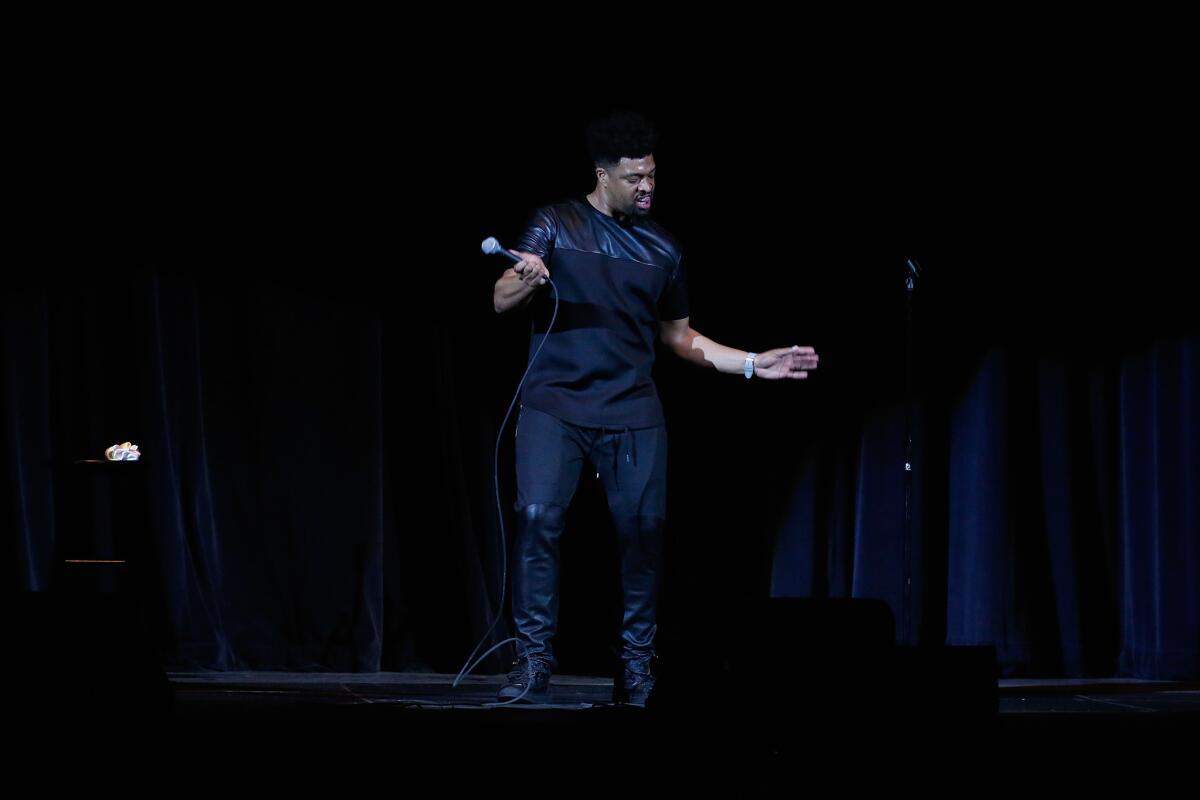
<point>519,283</point>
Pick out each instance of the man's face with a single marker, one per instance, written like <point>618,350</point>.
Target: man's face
<point>631,186</point>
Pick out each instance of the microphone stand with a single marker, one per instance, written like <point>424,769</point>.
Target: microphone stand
<point>912,274</point>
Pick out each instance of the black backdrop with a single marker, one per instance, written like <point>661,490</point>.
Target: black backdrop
<point>271,281</point>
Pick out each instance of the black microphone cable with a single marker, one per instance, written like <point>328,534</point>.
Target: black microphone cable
<point>491,246</point>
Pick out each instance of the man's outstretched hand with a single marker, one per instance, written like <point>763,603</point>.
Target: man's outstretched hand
<point>786,362</point>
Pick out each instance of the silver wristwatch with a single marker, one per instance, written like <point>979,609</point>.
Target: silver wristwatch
<point>748,367</point>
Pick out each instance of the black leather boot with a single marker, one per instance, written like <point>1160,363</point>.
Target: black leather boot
<point>535,598</point>
<point>528,682</point>
<point>641,554</point>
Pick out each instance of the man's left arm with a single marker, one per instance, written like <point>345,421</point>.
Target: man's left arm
<point>683,340</point>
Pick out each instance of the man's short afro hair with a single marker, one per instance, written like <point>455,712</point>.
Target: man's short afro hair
<point>621,134</point>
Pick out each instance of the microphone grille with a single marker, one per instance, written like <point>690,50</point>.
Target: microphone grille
<point>491,246</point>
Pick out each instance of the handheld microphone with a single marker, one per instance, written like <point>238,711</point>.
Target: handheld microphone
<point>493,248</point>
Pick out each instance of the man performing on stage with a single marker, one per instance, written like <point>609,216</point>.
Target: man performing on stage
<point>590,396</point>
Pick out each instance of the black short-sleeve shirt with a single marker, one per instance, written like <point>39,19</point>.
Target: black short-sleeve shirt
<point>616,279</point>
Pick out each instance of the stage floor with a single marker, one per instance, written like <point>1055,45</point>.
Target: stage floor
<point>215,694</point>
